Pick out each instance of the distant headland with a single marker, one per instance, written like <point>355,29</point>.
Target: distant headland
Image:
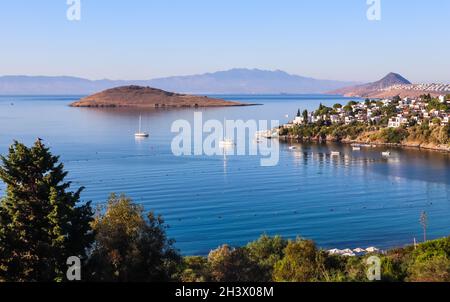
<point>393,85</point>
<point>147,97</point>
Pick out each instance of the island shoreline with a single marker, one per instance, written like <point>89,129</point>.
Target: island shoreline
<point>440,149</point>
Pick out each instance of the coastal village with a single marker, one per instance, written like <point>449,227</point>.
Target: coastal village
<point>392,113</point>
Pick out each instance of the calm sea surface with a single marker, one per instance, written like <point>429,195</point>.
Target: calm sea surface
<point>356,200</point>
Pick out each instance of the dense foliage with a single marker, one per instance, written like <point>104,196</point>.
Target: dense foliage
<point>128,247</point>
<point>301,261</point>
<point>321,131</point>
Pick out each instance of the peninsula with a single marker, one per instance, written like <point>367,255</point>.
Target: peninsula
<point>147,97</point>
<point>420,122</point>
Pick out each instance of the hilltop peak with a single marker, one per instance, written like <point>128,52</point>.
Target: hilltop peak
<point>393,84</point>
<point>393,78</point>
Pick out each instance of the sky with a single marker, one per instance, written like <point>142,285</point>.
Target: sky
<point>145,39</point>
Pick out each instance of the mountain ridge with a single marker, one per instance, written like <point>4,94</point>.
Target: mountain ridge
<point>237,80</point>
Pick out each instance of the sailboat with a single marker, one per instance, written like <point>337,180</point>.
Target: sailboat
<point>226,142</point>
<point>141,134</point>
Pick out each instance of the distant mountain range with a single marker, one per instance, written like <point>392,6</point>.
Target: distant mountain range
<point>234,81</point>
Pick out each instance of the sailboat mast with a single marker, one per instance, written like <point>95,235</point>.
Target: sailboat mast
<point>140,123</point>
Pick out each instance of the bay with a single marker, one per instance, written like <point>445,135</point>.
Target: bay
<point>358,199</point>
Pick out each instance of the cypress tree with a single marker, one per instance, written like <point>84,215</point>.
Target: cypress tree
<point>40,223</point>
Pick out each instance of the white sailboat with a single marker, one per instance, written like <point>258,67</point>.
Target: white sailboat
<point>141,134</point>
<point>226,142</point>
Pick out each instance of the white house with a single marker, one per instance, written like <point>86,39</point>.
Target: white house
<point>396,122</point>
<point>298,120</point>
<point>349,120</point>
<point>335,118</point>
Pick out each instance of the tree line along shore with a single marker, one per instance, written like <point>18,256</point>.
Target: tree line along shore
<point>43,223</point>
<point>422,123</point>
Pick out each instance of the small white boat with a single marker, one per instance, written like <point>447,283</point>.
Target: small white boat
<point>292,148</point>
<point>141,134</point>
<point>386,154</point>
<point>356,148</point>
<point>226,143</point>
<point>268,134</point>
<point>335,153</point>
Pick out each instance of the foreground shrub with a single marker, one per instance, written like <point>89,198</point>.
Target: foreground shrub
<point>299,263</point>
<point>129,247</point>
<point>195,269</point>
<point>434,269</point>
<point>233,265</point>
<point>266,252</point>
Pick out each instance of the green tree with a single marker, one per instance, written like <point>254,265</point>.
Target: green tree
<point>396,99</point>
<point>130,248</point>
<point>434,269</point>
<point>389,110</point>
<point>267,251</point>
<point>40,225</point>
<point>348,109</point>
<point>195,269</point>
<point>394,136</point>
<point>305,116</point>
<point>436,121</point>
<point>233,265</point>
<point>435,104</point>
<point>299,263</point>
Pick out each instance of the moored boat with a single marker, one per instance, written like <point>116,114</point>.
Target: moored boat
<point>141,134</point>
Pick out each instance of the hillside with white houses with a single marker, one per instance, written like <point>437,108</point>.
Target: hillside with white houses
<point>422,122</point>
<point>397,112</point>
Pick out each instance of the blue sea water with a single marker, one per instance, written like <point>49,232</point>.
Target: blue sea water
<point>358,199</point>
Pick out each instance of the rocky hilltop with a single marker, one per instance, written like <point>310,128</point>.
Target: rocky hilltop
<point>373,89</point>
<point>147,97</point>
<point>393,85</point>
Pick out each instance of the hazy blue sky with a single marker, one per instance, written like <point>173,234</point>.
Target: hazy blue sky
<point>142,39</point>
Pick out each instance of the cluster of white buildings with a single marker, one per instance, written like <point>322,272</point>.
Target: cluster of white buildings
<point>439,88</point>
<point>409,111</point>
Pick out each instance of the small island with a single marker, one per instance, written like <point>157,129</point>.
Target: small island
<point>147,97</point>
<point>409,122</point>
